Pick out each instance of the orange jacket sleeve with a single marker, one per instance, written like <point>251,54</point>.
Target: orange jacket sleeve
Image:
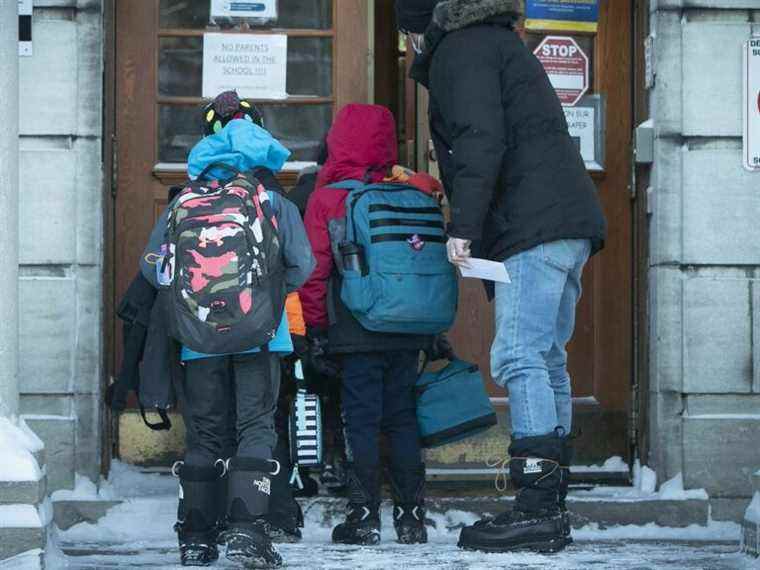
<point>295,314</point>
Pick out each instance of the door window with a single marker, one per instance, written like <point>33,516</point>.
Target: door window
<point>299,122</point>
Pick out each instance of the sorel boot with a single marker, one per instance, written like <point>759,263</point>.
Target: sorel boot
<point>362,524</point>
<point>535,522</point>
<point>285,518</point>
<point>566,459</point>
<point>198,513</point>
<point>249,485</point>
<point>408,491</point>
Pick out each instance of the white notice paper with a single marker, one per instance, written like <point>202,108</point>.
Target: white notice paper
<point>252,64</point>
<point>266,9</point>
<point>580,123</point>
<point>485,269</point>
<point>752,105</point>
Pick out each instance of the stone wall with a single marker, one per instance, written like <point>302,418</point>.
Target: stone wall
<point>61,248</point>
<point>704,271</point>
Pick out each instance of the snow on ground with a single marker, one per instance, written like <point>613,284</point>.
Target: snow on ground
<point>19,516</point>
<point>17,444</point>
<point>753,510</point>
<point>138,535</point>
<point>612,465</point>
<point>84,490</point>
<point>644,488</point>
<point>644,479</point>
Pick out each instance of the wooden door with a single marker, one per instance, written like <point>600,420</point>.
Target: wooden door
<point>158,66</point>
<point>600,354</point>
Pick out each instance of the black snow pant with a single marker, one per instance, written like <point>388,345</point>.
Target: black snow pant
<point>228,405</point>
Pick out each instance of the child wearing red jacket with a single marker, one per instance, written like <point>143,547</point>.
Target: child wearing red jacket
<point>379,369</point>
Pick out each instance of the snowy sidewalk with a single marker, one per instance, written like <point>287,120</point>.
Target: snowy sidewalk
<point>437,556</point>
<point>138,534</point>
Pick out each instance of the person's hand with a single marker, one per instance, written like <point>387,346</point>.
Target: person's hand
<point>458,251</point>
<point>318,358</point>
<point>440,349</point>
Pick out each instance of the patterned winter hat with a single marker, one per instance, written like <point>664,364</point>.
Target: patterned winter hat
<point>226,107</point>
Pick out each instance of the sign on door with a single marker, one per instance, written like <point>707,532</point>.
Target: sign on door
<point>566,65</point>
<point>751,113</point>
<point>252,64</point>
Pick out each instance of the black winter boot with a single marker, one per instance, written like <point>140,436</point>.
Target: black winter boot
<point>408,491</point>
<point>535,523</point>
<point>198,513</point>
<point>566,459</point>
<point>362,524</point>
<point>285,517</point>
<point>247,534</point>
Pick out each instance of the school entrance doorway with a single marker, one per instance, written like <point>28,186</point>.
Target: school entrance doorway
<point>349,51</point>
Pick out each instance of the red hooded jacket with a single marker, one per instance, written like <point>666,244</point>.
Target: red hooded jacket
<point>361,145</point>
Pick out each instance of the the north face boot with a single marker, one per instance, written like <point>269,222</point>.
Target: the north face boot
<point>198,513</point>
<point>285,517</point>
<point>566,459</point>
<point>249,486</point>
<point>408,491</point>
<point>535,522</point>
<point>362,524</point>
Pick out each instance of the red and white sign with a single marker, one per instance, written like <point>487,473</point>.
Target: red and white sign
<point>751,113</point>
<point>567,67</point>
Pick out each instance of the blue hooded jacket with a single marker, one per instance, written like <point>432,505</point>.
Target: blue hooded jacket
<point>241,144</point>
<point>246,146</point>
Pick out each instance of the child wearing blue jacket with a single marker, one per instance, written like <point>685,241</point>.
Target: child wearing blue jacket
<point>228,401</point>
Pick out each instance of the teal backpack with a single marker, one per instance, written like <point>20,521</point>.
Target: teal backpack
<point>391,252</point>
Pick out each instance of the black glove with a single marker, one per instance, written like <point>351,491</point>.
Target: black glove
<point>318,358</point>
<point>440,349</point>
<point>300,347</point>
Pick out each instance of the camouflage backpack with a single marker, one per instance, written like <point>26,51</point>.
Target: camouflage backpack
<point>223,265</point>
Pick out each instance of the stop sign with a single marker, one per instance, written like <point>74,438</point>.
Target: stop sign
<point>566,65</point>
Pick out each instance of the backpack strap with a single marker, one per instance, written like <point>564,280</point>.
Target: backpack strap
<point>347,185</point>
<point>164,425</point>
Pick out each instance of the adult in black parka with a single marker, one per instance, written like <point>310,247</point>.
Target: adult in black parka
<point>519,194</point>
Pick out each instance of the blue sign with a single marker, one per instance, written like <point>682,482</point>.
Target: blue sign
<point>565,15</point>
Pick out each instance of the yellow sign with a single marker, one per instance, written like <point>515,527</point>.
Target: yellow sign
<point>563,15</point>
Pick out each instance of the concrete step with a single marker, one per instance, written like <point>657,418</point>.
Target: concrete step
<point>67,513</point>
<point>23,492</point>
<point>22,529</point>
<point>58,435</point>
<point>603,511</point>
<point>751,538</point>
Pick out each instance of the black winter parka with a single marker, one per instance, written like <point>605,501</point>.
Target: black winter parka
<point>513,175</point>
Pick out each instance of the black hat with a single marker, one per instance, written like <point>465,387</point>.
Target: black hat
<point>225,107</point>
<point>414,16</point>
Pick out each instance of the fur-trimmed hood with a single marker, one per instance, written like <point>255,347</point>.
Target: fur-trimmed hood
<point>451,15</point>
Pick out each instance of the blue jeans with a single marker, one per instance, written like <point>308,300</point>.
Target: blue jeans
<point>535,318</point>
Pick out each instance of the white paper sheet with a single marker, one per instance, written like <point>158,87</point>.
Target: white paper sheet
<point>485,269</point>
<point>254,65</point>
